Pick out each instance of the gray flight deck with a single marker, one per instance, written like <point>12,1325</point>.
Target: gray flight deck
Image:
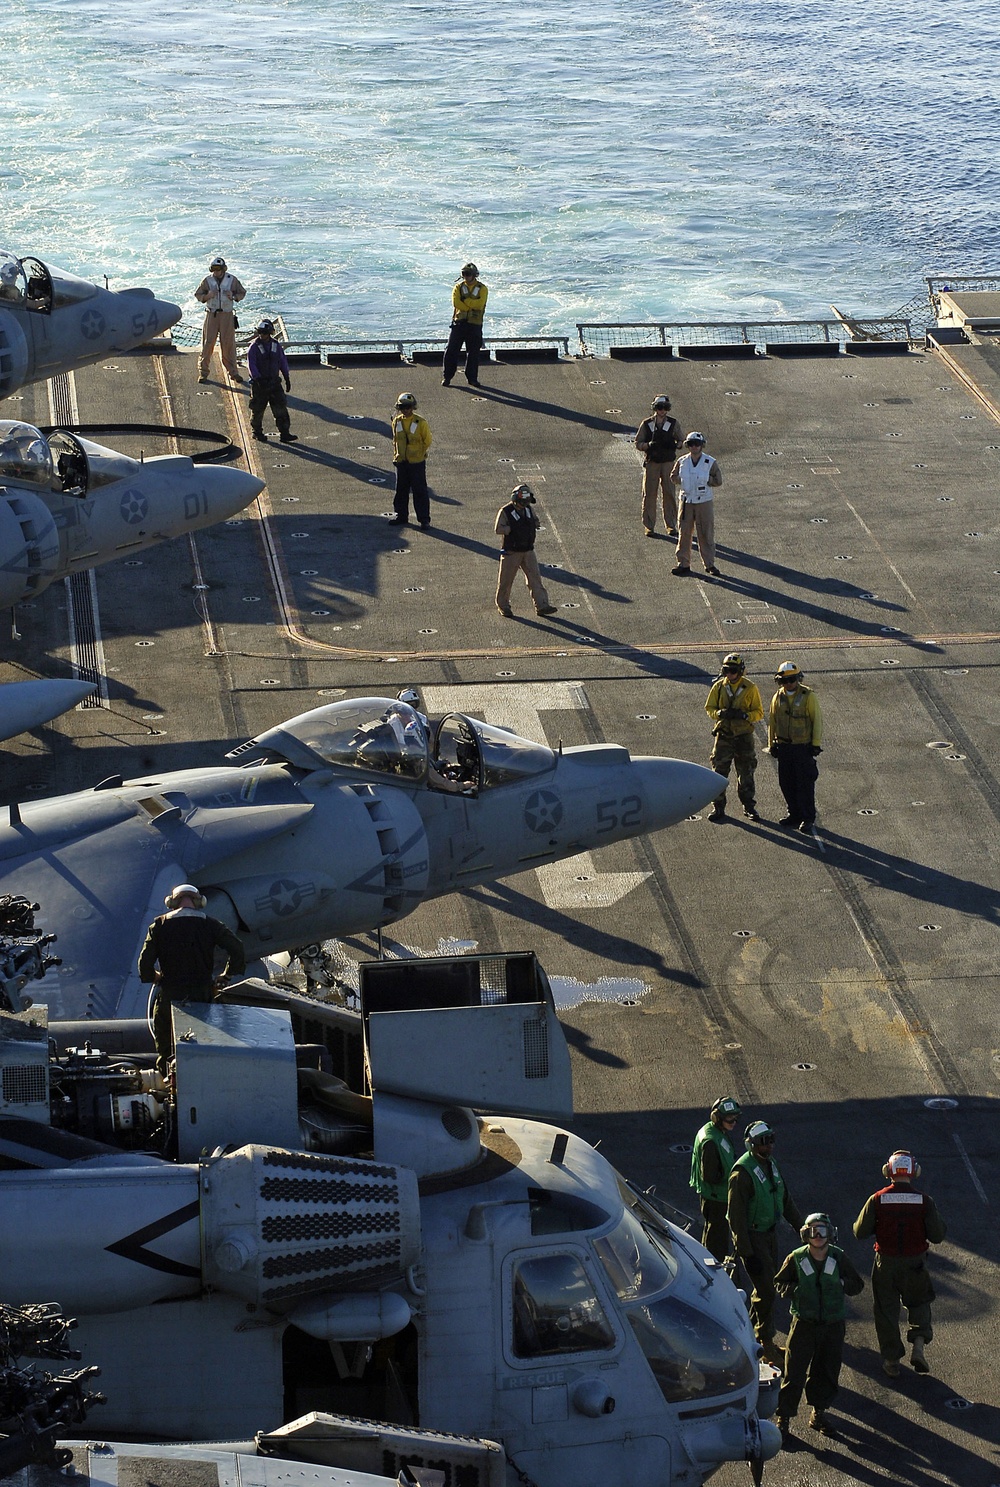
<point>835,985</point>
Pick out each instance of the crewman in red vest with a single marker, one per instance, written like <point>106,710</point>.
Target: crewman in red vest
<point>905,1223</point>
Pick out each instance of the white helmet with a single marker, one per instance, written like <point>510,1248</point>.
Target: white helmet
<point>410,695</point>
<point>788,672</point>
<point>184,890</point>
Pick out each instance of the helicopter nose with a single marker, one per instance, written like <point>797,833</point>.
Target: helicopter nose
<point>674,788</point>
<point>229,490</point>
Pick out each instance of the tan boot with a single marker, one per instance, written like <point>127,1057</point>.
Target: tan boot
<point>917,1358</point>
<point>819,1420</point>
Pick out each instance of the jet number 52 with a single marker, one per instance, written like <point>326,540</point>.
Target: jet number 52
<point>625,813</point>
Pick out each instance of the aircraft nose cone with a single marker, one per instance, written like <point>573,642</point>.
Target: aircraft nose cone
<point>675,788</point>
<point>229,490</point>
<point>166,314</point>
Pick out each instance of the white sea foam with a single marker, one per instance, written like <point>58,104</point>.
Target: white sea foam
<point>707,159</point>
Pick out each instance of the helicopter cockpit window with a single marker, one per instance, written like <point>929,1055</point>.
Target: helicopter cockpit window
<point>636,1264</point>
<point>499,757</point>
<point>563,1213</point>
<point>556,1309</point>
<point>691,1354</point>
<point>71,469</point>
<point>25,458</point>
<point>12,279</point>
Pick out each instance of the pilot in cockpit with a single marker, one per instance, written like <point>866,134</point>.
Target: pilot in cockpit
<point>456,777</point>
<point>10,270</point>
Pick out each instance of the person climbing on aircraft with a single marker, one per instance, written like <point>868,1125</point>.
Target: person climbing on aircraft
<point>178,958</point>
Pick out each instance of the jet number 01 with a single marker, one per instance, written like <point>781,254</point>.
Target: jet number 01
<point>625,813</point>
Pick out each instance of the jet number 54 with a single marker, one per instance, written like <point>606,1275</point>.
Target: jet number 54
<point>625,813</point>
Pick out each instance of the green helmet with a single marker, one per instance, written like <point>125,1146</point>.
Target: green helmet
<point>725,1108</point>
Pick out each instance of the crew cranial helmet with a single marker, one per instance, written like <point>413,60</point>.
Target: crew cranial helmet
<point>820,1226</point>
<point>406,400</point>
<point>265,327</point>
<point>184,890</point>
<point>470,268</point>
<point>902,1164</point>
<point>734,662</point>
<point>661,402</point>
<point>759,1131</point>
<point>788,672</point>
<point>726,1108</point>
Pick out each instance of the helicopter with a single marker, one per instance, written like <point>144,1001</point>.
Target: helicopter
<point>380,1217</point>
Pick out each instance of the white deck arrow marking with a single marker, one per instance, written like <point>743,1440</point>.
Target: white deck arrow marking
<point>574,883</point>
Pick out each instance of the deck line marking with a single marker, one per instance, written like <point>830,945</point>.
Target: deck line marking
<point>888,561</point>
<point>884,979</point>
<point>970,1169</point>
<point>83,616</point>
<point>200,595</point>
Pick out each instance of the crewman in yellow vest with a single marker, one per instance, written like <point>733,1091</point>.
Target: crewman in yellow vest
<point>734,706</point>
<point>794,735</point>
<point>468,304</point>
<point>758,1198</point>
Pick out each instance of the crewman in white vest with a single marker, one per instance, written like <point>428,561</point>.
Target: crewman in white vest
<point>696,474</point>
<point>219,291</point>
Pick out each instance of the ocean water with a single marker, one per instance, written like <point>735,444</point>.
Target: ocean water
<point>704,159</point>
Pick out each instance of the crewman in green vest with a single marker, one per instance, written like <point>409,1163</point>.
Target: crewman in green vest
<point>815,1278</point>
<point>758,1198</point>
<point>711,1163</point>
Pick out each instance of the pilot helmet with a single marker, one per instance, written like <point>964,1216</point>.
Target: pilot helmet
<point>819,1225</point>
<point>265,328</point>
<point>470,268</point>
<point>724,1109</point>
<point>406,400</point>
<point>218,262</point>
<point>409,695</point>
<point>662,401</point>
<point>523,493</point>
<point>184,890</point>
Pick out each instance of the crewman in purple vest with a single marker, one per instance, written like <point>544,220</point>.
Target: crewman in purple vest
<point>905,1223</point>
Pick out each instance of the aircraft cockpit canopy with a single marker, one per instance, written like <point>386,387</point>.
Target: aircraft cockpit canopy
<point>56,463</point>
<point>25,456</point>
<point>384,736</point>
<point>27,283</point>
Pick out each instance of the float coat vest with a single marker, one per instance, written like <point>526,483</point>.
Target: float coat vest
<point>694,478</point>
<point>727,1156</point>
<point>767,1202</point>
<point>469,304</point>
<point>819,1295</point>
<point>219,292</point>
<point>792,722</point>
<point>899,1222</point>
